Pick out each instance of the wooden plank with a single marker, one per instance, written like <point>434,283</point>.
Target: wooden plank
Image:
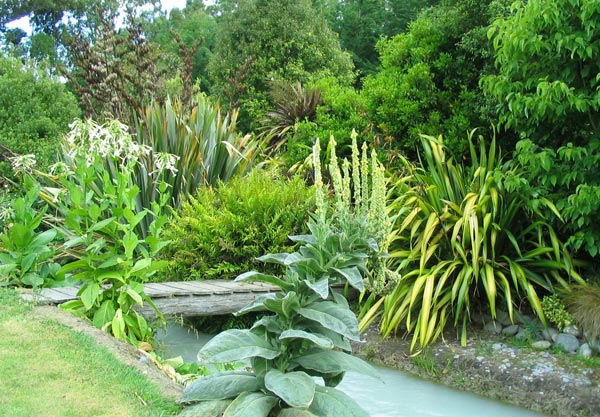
<point>158,289</point>
<point>208,288</point>
<point>61,294</point>
<point>207,305</point>
<point>241,286</point>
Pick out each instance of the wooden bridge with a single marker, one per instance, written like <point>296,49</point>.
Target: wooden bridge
<point>188,299</point>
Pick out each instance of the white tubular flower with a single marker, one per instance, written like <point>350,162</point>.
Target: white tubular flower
<point>23,163</point>
<point>166,161</point>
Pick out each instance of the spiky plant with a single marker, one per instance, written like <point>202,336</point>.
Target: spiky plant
<point>292,103</point>
<point>464,239</point>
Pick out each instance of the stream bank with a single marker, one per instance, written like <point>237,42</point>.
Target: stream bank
<point>490,366</point>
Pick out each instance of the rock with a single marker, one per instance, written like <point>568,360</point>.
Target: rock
<point>541,345</point>
<point>493,327</point>
<point>549,334</point>
<point>572,330</point>
<point>511,330</point>
<point>521,334</point>
<point>568,342</point>
<point>503,318</point>
<point>585,350</point>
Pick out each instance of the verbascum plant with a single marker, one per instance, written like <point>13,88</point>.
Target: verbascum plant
<point>305,333</point>
<point>463,240</point>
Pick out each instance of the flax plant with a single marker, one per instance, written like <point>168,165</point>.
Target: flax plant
<point>462,240</point>
<point>206,144</point>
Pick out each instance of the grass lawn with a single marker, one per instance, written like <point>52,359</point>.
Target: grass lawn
<point>47,369</point>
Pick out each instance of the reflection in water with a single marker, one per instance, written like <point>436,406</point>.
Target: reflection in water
<point>400,395</point>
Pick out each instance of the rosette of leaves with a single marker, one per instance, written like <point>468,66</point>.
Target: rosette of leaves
<point>306,335</point>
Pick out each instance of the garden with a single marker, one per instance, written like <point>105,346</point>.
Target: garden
<point>414,172</point>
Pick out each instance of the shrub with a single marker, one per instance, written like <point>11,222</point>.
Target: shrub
<point>556,312</point>
<point>341,111</point>
<point>96,214</point>
<point>36,111</point>
<point>569,176</point>
<point>205,143</point>
<point>464,236</point>
<point>220,231</point>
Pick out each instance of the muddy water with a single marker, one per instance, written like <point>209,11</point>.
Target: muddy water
<point>399,395</point>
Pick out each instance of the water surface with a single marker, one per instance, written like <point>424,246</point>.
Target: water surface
<point>400,395</point>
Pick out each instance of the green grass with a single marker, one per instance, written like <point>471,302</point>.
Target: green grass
<point>50,370</point>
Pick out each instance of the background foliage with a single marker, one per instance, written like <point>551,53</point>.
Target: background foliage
<point>36,111</point>
<point>254,46</point>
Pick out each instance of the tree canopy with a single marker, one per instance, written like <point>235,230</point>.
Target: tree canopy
<point>261,41</point>
<point>547,86</point>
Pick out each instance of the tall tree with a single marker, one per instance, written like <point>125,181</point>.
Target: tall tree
<point>186,39</point>
<point>260,41</point>
<point>114,71</point>
<point>548,90</point>
<point>428,79</point>
<point>547,84</point>
<point>362,23</point>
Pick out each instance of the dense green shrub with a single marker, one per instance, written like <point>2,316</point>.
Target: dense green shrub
<point>261,41</point>
<point>220,231</point>
<point>204,142</point>
<point>341,112</point>
<point>36,111</point>
<point>465,239</point>
<point>427,82</point>
<point>569,176</point>
<point>547,59</point>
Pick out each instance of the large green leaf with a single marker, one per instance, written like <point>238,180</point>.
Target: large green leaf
<point>330,402</point>
<point>89,294</point>
<point>333,362</point>
<point>338,340</point>
<point>332,316</point>
<point>220,386</point>
<point>320,287</point>
<point>353,276</point>
<point>21,235</point>
<point>251,404</point>
<point>320,341</point>
<point>104,314</point>
<point>295,412</point>
<point>205,409</point>
<point>44,238</point>
<point>297,389</point>
<point>258,304</point>
<point>236,345</point>
<point>258,276</point>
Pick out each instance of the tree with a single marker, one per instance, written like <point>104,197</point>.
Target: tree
<point>428,79</point>
<point>548,90</point>
<point>44,15</point>
<point>547,82</point>
<point>114,69</point>
<point>259,41</point>
<point>36,110</point>
<point>185,37</point>
<point>362,23</point>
